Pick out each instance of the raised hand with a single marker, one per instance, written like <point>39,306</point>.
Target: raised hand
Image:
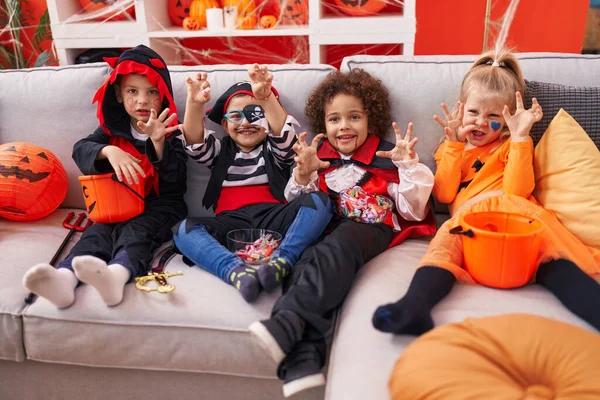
<point>306,158</point>
<point>520,123</point>
<point>453,125</point>
<point>198,88</point>
<point>158,127</point>
<point>124,164</point>
<point>261,80</point>
<point>405,146</point>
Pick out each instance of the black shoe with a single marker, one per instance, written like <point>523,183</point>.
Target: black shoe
<point>279,334</point>
<point>301,372</point>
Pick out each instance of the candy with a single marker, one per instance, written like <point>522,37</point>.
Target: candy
<point>260,251</point>
<point>360,206</point>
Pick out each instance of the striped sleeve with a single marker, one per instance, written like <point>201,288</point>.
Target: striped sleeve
<point>282,146</point>
<point>204,153</point>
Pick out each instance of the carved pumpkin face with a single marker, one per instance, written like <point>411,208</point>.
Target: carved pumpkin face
<point>268,21</point>
<point>178,10</point>
<point>190,24</point>
<point>95,5</point>
<point>360,7</point>
<point>33,182</point>
<point>246,22</point>
<point>295,12</point>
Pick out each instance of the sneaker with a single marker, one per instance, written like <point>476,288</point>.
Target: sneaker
<point>272,274</point>
<point>279,334</point>
<point>301,374</point>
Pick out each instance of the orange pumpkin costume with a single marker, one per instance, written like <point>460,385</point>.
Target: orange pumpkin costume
<point>463,174</point>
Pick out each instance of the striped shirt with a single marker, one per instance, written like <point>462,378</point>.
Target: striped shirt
<point>248,168</point>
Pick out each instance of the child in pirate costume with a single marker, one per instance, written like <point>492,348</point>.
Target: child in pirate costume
<point>250,167</point>
<point>353,111</point>
<point>137,141</point>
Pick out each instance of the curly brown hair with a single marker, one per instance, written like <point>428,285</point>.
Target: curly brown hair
<point>358,83</point>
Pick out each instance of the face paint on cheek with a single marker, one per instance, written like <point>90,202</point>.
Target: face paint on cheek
<point>157,104</point>
<point>129,104</point>
<point>495,125</point>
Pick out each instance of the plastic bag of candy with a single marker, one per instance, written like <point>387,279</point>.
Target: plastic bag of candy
<point>360,206</point>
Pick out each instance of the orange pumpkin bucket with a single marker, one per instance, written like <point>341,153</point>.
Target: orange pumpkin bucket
<point>500,249</point>
<point>109,201</point>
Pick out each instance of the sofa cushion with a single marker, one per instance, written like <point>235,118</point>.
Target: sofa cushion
<point>22,245</point>
<point>501,357</point>
<point>581,102</point>
<point>362,358</point>
<point>419,84</point>
<point>200,327</point>
<point>567,173</point>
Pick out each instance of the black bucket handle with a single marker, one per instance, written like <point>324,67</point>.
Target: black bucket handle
<point>114,178</point>
<point>458,230</point>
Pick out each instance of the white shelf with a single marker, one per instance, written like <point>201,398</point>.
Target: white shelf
<point>282,30</point>
<point>152,26</point>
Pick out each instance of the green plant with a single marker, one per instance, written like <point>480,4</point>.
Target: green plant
<point>15,19</point>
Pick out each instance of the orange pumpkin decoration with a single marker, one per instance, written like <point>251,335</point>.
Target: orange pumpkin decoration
<point>108,201</point>
<point>33,182</point>
<point>359,8</point>
<point>190,24</point>
<point>268,21</point>
<point>95,5</point>
<point>178,10</point>
<point>244,7</point>
<point>198,10</point>
<point>246,22</point>
<point>295,12</point>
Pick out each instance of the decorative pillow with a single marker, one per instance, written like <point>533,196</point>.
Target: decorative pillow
<point>582,102</point>
<point>567,177</point>
<point>513,356</point>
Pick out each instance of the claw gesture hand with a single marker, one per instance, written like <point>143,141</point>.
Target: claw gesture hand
<point>453,125</point>
<point>520,123</point>
<point>157,128</point>
<point>405,146</point>
<point>260,80</point>
<point>198,88</point>
<point>306,158</point>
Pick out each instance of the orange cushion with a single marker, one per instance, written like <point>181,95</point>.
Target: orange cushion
<point>513,356</point>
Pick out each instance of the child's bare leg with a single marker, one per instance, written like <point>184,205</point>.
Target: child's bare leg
<point>574,288</point>
<point>108,280</point>
<point>55,285</point>
<point>412,313</point>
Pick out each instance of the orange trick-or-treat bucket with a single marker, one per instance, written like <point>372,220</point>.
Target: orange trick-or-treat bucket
<point>109,201</point>
<point>500,249</point>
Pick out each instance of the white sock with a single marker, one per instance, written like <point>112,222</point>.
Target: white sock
<point>55,285</point>
<point>108,280</point>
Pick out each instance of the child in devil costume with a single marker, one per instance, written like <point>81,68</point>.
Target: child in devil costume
<point>249,167</point>
<point>353,110</point>
<point>137,140</point>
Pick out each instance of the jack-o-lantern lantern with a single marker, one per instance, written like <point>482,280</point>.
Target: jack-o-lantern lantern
<point>33,182</point>
<point>178,10</point>
<point>95,5</point>
<point>244,7</point>
<point>268,21</point>
<point>190,24</point>
<point>295,12</point>
<point>360,7</point>
<point>198,10</point>
<point>246,22</point>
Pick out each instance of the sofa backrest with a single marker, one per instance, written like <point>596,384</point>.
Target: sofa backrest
<point>419,84</point>
<point>52,107</point>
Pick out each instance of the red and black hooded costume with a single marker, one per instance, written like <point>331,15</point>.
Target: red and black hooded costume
<point>131,243</point>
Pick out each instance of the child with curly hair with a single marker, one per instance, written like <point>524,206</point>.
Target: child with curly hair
<point>353,111</point>
<point>486,164</point>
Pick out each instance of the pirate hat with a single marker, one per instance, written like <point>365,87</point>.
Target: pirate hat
<point>216,113</point>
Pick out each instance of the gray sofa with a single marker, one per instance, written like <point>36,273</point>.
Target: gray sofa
<point>193,343</point>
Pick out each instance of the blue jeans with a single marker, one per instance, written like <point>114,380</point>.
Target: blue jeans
<point>204,250</point>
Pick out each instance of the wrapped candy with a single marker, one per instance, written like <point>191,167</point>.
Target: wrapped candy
<point>360,206</point>
<point>260,251</point>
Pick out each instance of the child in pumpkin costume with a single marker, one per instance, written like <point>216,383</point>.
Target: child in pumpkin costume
<point>486,164</point>
<point>249,170</point>
<point>137,140</point>
<point>353,109</point>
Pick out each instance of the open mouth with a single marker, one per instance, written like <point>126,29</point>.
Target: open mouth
<point>477,134</point>
<point>345,138</point>
<point>143,112</point>
<point>246,131</point>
